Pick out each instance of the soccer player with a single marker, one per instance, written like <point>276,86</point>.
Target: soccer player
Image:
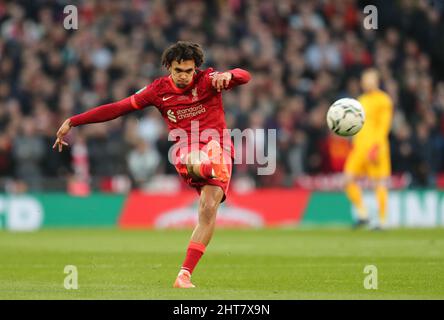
<point>186,95</point>
<point>370,155</point>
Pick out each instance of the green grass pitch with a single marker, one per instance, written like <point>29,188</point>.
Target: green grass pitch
<point>238,264</point>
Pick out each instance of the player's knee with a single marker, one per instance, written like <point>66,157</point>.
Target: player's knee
<point>196,157</point>
<point>209,206</point>
<point>208,211</point>
<point>379,183</point>
<point>348,178</point>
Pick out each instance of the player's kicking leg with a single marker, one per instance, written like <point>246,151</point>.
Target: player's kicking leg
<point>209,163</point>
<point>354,194</point>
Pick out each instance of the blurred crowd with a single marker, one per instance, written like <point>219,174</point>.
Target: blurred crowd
<point>302,55</point>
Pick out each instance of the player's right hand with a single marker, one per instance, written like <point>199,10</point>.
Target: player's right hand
<point>373,153</point>
<point>61,133</point>
<point>221,80</point>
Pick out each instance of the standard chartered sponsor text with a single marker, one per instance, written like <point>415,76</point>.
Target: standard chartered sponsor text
<point>190,112</point>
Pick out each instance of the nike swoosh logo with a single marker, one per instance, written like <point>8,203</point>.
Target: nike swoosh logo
<point>166,98</point>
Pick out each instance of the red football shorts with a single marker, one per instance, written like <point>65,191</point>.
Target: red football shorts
<point>198,183</point>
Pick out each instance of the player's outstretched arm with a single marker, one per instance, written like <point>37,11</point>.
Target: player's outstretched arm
<point>99,114</point>
<point>229,79</point>
<point>140,100</point>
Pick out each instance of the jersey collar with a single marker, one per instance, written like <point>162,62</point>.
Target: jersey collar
<point>180,90</point>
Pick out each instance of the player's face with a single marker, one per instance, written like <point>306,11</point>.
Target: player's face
<point>182,72</point>
<point>369,81</point>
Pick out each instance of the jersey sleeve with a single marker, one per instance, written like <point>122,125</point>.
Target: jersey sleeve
<point>141,99</point>
<point>103,113</point>
<point>240,76</point>
<point>147,96</point>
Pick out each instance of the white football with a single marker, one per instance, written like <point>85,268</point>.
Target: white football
<point>345,117</point>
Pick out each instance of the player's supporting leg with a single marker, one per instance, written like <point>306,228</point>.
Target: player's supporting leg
<point>210,199</point>
<point>354,194</point>
<point>382,197</point>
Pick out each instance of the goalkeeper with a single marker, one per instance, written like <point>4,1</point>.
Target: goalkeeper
<point>370,155</point>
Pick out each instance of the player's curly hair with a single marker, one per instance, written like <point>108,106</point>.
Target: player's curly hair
<point>183,50</point>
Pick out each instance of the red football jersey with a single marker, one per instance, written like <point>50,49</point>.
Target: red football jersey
<point>195,109</point>
<point>196,112</point>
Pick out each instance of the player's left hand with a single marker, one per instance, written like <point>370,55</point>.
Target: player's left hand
<point>221,80</point>
<point>61,133</point>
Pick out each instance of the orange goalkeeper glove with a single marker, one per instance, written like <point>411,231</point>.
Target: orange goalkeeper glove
<point>373,153</point>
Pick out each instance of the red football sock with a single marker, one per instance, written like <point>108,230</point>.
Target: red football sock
<point>206,170</point>
<point>194,253</point>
